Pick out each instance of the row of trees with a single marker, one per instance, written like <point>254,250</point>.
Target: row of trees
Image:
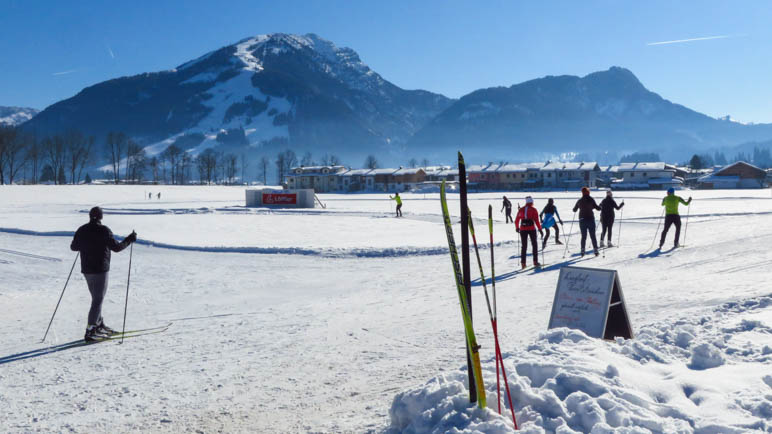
<point>761,157</point>
<point>52,159</point>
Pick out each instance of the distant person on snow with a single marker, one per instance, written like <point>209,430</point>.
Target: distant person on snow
<point>607,207</point>
<point>547,216</point>
<point>150,195</point>
<point>94,241</point>
<point>670,202</point>
<point>526,222</point>
<point>586,205</point>
<point>507,205</point>
<point>159,195</point>
<point>399,204</point>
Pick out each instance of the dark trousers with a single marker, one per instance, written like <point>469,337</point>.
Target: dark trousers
<point>524,235</point>
<point>585,226</point>
<point>97,286</point>
<point>671,219</point>
<point>607,224</point>
<point>399,210</point>
<point>509,215</point>
<point>547,235</point>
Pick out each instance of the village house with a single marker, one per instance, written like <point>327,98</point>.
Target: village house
<point>404,179</point>
<point>736,175</point>
<point>320,178</point>
<point>355,180</point>
<point>647,176</point>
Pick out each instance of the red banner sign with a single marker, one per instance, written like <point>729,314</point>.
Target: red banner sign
<point>280,198</point>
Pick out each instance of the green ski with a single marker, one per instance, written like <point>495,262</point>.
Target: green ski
<point>474,353</point>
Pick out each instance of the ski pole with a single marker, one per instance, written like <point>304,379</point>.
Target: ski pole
<point>60,297</point>
<point>686,226</point>
<point>493,284</point>
<point>128,281</point>
<point>655,233</point>
<point>619,231</point>
<point>494,325</point>
<point>568,236</point>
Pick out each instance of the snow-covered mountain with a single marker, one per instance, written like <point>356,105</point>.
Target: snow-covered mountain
<point>269,91</point>
<point>606,111</point>
<point>16,115</point>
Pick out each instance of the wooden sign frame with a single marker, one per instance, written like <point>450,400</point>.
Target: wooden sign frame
<point>615,321</point>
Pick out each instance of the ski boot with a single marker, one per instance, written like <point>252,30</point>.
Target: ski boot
<point>602,244</point>
<point>609,244</point>
<point>93,334</point>
<point>105,330</point>
<point>596,252</point>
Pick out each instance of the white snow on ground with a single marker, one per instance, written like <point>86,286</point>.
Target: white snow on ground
<point>346,319</point>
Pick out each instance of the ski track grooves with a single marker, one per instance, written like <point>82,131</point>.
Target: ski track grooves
<point>29,255</point>
<point>387,252</point>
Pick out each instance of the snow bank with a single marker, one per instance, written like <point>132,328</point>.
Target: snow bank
<point>707,374</point>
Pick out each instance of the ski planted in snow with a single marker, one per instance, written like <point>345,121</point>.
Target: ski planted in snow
<point>476,387</point>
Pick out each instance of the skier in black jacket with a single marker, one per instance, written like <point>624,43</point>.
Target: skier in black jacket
<point>607,207</point>
<point>507,205</point>
<point>94,241</point>
<point>586,205</point>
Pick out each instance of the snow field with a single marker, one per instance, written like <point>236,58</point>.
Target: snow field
<point>360,331</point>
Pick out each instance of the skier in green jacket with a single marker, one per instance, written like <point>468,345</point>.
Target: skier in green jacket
<point>670,202</point>
<point>399,204</point>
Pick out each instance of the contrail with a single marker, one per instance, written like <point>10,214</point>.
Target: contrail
<point>69,71</point>
<point>678,41</point>
<point>110,50</point>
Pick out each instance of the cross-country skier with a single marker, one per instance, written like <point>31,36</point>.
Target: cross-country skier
<point>507,206</point>
<point>159,195</point>
<point>607,207</point>
<point>94,242</point>
<point>526,222</point>
<point>670,202</point>
<point>399,204</point>
<point>150,195</point>
<point>586,205</point>
<point>547,216</point>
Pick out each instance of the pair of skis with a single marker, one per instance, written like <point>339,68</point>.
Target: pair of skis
<point>476,386</point>
<point>492,313</point>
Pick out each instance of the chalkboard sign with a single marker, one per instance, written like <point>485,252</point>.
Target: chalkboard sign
<point>591,300</point>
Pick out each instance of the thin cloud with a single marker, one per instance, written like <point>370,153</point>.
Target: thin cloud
<point>679,41</point>
<point>69,71</point>
<point>110,51</point>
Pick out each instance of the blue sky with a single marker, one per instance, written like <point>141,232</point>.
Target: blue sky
<point>50,50</point>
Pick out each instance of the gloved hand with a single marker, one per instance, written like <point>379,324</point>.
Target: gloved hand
<point>517,230</point>
<point>541,233</point>
<point>622,204</point>
<point>561,223</point>
<point>132,237</point>
<point>690,198</point>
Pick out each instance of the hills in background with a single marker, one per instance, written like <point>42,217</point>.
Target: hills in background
<point>280,91</point>
<point>16,115</point>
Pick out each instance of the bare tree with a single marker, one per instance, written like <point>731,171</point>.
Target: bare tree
<point>334,160</point>
<point>34,155</point>
<point>185,164</point>
<point>371,162</point>
<point>76,145</point>
<point>412,163</point>
<point>244,165</point>
<point>231,165</point>
<point>307,160</point>
<point>12,155</point>
<point>116,146</point>
<point>425,163</point>
<point>136,162</point>
<point>263,169</point>
<point>55,151</point>
<point>206,163</point>
<point>85,156</point>
<point>154,168</point>
<point>173,155</point>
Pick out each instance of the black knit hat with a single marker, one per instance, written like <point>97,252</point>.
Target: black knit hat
<point>95,213</point>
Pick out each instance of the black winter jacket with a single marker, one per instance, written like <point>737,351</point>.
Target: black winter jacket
<point>94,242</point>
<point>585,205</point>
<point>607,207</point>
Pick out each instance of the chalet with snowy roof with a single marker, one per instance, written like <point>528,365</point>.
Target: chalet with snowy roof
<point>736,175</point>
<point>442,174</point>
<point>380,178</point>
<point>406,178</point>
<point>355,180</point>
<point>320,178</point>
<point>647,176</point>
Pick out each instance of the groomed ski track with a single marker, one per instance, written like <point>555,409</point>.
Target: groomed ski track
<point>285,341</point>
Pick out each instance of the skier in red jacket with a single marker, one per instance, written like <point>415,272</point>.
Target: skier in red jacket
<point>526,222</point>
